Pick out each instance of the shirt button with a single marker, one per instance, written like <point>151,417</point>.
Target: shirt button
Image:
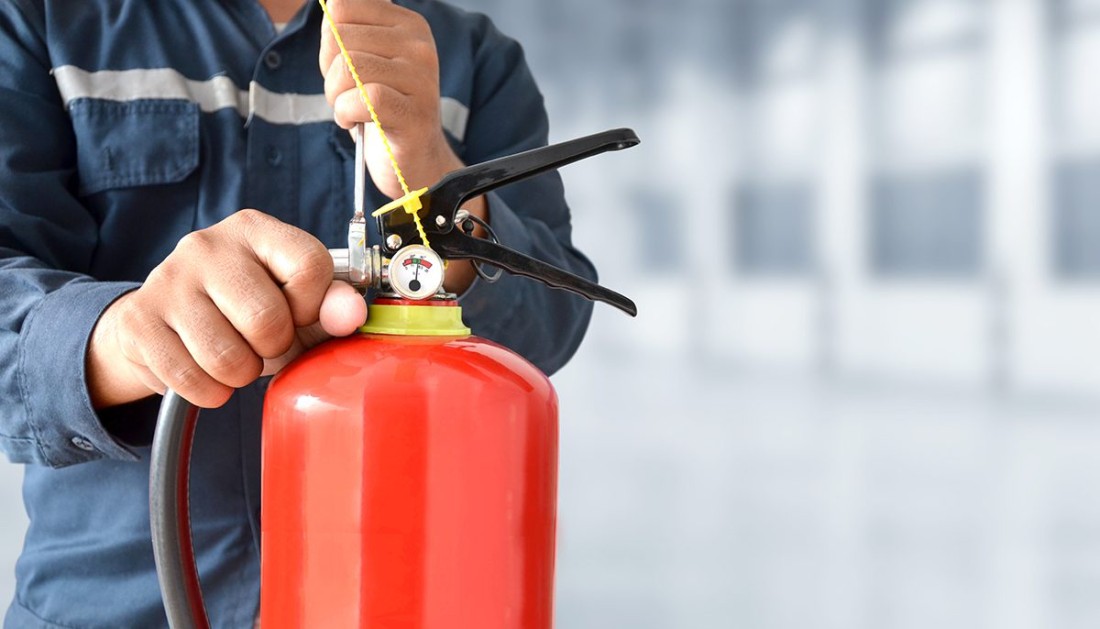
<point>83,444</point>
<point>274,157</point>
<point>273,60</point>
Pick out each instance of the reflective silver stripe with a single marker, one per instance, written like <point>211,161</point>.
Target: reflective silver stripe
<point>212,94</point>
<point>219,92</point>
<point>287,108</point>
<point>453,115</point>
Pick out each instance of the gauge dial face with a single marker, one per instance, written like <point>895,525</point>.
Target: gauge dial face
<point>416,272</point>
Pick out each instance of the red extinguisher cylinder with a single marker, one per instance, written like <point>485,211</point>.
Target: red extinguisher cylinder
<point>409,482</point>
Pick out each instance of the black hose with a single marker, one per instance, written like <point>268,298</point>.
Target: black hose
<point>169,514</point>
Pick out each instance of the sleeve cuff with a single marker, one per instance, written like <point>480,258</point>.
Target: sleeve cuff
<point>487,306</point>
<point>65,426</point>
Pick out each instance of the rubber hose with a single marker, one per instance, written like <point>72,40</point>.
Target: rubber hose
<point>170,516</point>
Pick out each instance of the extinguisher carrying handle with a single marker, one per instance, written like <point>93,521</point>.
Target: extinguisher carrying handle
<point>442,202</point>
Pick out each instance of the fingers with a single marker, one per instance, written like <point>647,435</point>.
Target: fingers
<point>397,73</point>
<point>159,358</point>
<point>348,14</point>
<point>395,57</point>
<point>216,346</point>
<point>342,312</point>
<point>391,85</point>
<point>204,321</point>
<point>254,307</point>
<point>297,261</point>
<point>384,41</point>
<point>396,87</point>
<point>394,108</point>
<point>391,47</point>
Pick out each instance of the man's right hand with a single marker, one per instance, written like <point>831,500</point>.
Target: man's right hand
<point>231,302</point>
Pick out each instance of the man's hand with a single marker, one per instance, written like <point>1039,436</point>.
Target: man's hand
<point>231,303</point>
<point>395,55</point>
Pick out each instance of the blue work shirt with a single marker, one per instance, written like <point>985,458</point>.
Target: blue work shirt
<point>126,124</point>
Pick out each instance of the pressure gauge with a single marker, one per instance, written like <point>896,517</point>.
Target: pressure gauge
<point>416,272</point>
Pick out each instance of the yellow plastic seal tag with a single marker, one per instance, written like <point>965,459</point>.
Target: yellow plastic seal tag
<point>411,203</point>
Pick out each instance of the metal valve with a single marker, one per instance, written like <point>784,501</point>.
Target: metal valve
<point>415,272</point>
<point>358,265</point>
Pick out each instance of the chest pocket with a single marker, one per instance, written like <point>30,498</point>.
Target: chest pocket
<point>137,166</point>
<point>134,143</point>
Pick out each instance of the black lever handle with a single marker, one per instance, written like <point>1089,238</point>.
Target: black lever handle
<point>448,194</point>
<point>456,187</point>
<point>456,246</point>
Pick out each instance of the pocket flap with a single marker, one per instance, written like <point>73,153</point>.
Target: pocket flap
<point>134,143</point>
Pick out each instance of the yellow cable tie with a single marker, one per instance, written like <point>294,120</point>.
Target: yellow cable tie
<point>412,205</point>
<point>423,234</point>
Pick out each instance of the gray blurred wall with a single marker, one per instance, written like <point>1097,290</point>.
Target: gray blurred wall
<point>864,236</point>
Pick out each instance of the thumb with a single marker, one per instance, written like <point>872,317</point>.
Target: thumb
<point>343,310</point>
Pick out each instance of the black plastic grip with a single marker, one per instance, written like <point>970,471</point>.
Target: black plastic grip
<point>458,246</point>
<point>457,187</point>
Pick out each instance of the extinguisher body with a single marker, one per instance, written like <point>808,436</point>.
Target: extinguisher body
<point>409,481</point>
<point>410,472</point>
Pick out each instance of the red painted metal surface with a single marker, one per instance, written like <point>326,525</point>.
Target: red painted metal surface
<point>409,482</point>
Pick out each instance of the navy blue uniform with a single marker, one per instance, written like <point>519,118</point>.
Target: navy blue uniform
<point>124,125</point>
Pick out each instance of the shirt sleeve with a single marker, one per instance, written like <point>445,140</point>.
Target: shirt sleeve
<point>507,116</point>
<point>48,304</point>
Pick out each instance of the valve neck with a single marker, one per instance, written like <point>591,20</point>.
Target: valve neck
<point>404,317</point>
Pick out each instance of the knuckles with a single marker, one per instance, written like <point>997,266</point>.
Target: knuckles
<point>419,25</point>
<point>246,222</point>
<point>186,379</point>
<point>195,385</point>
<point>315,266</point>
<point>423,51</point>
<point>269,321</point>
<point>235,365</point>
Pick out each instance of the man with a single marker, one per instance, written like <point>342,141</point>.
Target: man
<point>131,134</point>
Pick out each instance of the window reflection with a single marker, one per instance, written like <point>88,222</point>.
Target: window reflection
<point>774,229</point>
<point>773,206</point>
<point>927,137</point>
<point>1076,129</point>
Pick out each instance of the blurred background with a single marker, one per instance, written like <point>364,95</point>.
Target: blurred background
<point>864,387</point>
<point>863,390</point>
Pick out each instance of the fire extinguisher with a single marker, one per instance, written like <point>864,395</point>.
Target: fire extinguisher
<point>409,471</point>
